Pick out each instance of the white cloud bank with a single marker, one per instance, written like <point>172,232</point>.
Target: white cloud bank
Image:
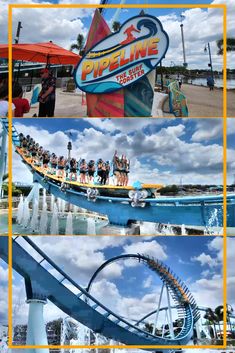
<point>63,25</point>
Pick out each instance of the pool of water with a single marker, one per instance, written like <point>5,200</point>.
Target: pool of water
<point>90,224</point>
<point>218,82</point>
<point>81,224</point>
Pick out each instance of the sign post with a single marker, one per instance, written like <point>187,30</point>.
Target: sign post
<point>124,57</point>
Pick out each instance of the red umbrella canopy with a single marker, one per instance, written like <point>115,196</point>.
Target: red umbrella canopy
<point>41,52</point>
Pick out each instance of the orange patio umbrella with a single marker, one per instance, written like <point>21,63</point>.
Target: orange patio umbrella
<point>48,53</point>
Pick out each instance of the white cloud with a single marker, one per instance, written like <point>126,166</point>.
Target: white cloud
<point>90,257</point>
<point>200,27</point>
<point>206,273</point>
<point>60,25</point>
<point>208,292</point>
<point>205,259</point>
<point>197,162</point>
<point>217,245</point>
<point>63,25</point>
<point>210,286</point>
<point>117,124</point>
<point>3,275</point>
<point>148,282</point>
<point>210,129</point>
<point>230,260</point>
<point>207,288</point>
<point>152,248</point>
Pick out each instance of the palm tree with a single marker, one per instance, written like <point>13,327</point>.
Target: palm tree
<point>116,26</point>
<point>219,312</point>
<point>79,45</point>
<point>211,317</point>
<point>5,177</point>
<point>148,327</point>
<point>230,45</point>
<point>229,313</point>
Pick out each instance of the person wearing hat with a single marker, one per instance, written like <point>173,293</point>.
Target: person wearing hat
<point>46,97</point>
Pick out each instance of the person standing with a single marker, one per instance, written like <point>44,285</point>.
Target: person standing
<point>4,102</point>
<point>210,83</point>
<point>21,104</point>
<point>47,95</point>
<point>91,171</point>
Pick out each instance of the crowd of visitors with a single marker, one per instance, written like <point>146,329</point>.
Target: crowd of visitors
<point>86,172</point>
<point>21,105</point>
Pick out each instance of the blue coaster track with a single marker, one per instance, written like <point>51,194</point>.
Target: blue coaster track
<point>205,210</point>
<point>46,280</point>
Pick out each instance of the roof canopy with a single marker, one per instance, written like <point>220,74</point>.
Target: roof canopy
<point>48,52</point>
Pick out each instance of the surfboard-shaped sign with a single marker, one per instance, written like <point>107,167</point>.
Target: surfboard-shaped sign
<point>124,56</point>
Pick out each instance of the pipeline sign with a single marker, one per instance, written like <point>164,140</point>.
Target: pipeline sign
<point>124,56</point>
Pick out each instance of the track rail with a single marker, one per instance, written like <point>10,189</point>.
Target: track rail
<point>179,291</point>
<point>186,200</point>
<point>48,280</point>
<point>15,135</point>
<point>191,211</point>
<point>206,210</point>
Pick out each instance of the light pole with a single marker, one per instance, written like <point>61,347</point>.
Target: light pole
<point>17,37</point>
<point>183,45</point>
<point>207,46</point>
<point>69,148</point>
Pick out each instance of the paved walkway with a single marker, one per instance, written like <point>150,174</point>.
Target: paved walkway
<point>201,103</point>
<point>205,103</point>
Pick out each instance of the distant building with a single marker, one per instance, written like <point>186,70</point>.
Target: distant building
<point>53,333</point>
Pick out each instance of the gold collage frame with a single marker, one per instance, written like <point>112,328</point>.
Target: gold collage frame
<point>10,239</point>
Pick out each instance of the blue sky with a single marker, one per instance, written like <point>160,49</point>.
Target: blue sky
<point>81,124</point>
<point>160,150</point>
<point>180,251</point>
<point>129,286</point>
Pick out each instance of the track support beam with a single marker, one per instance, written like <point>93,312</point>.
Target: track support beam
<point>36,331</point>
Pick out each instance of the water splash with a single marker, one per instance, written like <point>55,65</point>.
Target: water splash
<point>183,230</point>
<point>147,228</point>
<point>52,202</point>
<point>44,198</point>
<point>34,220</point>
<point>213,220</point>
<point>69,224</point>
<point>63,204</point>
<point>167,230</point>
<point>26,214</point>
<point>122,231</point>
<point>91,226</point>
<point>99,341</point>
<point>54,230</point>
<point>118,350</point>
<point>59,204</point>
<point>20,210</point>
<point>213,226</point>
<point>83,338</point>
<point>43,224</point>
